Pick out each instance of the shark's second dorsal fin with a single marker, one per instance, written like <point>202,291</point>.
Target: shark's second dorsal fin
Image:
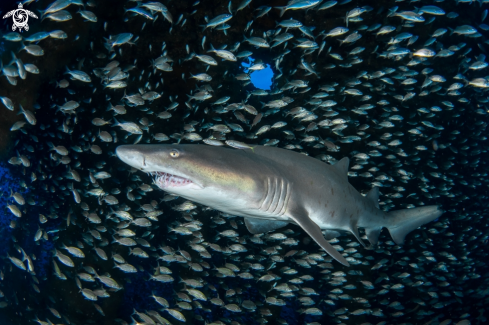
<point>342,166</point>
<point>373,195</point>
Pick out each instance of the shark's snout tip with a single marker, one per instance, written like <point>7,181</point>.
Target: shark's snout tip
<point>128,155</point>
<point>126,150</point>
<point>120,150</point>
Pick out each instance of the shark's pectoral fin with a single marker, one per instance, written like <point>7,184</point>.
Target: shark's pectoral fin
<point>259,226</point>
<point>313,230</point>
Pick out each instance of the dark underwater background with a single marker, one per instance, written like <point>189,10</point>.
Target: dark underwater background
<point>465,216</point>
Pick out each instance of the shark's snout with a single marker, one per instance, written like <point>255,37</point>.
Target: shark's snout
<point>131,156</point>
<point>161,162</point>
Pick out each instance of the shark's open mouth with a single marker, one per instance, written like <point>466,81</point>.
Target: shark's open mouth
<point>165,180</point>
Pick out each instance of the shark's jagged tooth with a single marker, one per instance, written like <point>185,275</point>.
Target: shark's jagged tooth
<point>402,222</point>
<point>259,226</point>
<point>313,230</point>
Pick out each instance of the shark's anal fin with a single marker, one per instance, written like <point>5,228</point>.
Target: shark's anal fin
<point>300,216</point>
<point>259,226</point>
<point>373,235</point>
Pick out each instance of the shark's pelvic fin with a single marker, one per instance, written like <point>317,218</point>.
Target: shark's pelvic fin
<point>301,217</point>
<point>402,222</point>
<point>259,226</point>
<point>330,234</point>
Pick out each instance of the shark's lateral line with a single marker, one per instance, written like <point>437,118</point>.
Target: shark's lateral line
<point>271,187</point>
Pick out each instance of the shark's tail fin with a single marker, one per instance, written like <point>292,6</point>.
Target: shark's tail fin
<point>402,222</point>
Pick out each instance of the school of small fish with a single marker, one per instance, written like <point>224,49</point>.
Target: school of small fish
<point>400,87</point>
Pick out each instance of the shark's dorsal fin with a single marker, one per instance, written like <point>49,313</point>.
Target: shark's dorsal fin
<point>342,166</point>
<point>373,195</point>
<point>301,217</point>
<point>260,226</point>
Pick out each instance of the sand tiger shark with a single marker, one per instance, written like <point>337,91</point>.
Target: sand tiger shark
<point>272,187</point>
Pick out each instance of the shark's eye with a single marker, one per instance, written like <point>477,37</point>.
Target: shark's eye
<point>174,153</point>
